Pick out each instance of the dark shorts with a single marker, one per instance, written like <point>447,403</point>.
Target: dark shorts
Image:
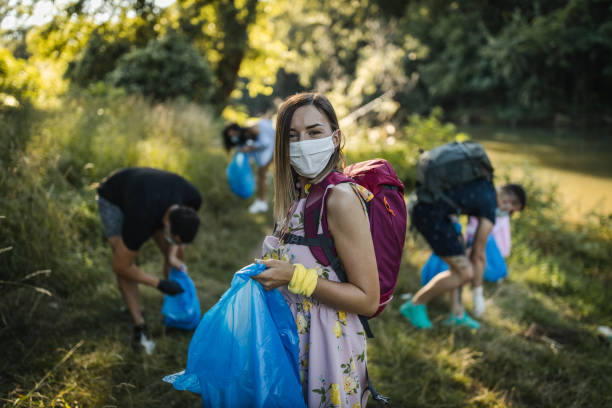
<point>433,220</point>
<point>111,216</point>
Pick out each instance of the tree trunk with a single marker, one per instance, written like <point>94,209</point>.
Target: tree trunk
<point>234,25</point>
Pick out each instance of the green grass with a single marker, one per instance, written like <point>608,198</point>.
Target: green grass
<point>537,347</point>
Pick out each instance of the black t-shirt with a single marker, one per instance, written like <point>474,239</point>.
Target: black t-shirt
<point>144,195</point>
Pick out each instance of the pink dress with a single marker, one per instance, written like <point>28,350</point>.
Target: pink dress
<point>332,342</point>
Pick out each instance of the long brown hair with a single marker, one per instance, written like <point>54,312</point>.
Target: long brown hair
<point>285,178</point>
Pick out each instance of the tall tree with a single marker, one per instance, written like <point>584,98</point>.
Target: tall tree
<point>220,28</point>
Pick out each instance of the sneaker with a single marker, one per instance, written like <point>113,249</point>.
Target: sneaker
<point>416,314</point>
<point>479,302</point>
<point>464,320</point>
<point>258,206</point>
<point>141,341</point>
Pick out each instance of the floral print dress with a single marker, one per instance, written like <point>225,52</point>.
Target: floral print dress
<point>332,342</point>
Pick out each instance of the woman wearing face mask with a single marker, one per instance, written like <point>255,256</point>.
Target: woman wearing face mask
<point>332,340</point>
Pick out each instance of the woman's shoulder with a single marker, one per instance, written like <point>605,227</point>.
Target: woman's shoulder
<point>342,198</point>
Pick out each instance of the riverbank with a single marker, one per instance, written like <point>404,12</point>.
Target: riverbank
<point>577,162</point>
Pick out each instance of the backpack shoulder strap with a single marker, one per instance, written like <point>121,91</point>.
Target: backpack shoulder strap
<point>328,249</point>
<point>315,216</point>
<point>316,232</point>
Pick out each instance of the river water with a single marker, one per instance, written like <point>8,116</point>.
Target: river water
<point>579,162</point>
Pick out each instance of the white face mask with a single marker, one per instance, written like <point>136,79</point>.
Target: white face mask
<point>309,157</point>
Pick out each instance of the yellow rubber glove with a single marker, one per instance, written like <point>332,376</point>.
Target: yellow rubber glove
<point>303,281</point>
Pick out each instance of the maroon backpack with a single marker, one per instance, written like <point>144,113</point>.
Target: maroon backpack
<point>387,215</point>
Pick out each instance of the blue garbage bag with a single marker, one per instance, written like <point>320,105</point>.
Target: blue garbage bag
<point>244,352</point>
<point>182,310</point>
<point>495,267</point>
<point>432,267</point>
<point>240,176</point>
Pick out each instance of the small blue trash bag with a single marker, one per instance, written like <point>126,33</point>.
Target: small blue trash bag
<point>182,310</point>
<point>495,268</point>
<point>245,351</point>
<point>240,176</point>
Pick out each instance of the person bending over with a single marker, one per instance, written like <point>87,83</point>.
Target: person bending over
<point>136,204</point>
<point>258,142</point>
<point>478,198</point>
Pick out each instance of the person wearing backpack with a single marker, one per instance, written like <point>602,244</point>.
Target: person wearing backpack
<point>455,179</point>
<point>258,142</point>
<point>326,298</point>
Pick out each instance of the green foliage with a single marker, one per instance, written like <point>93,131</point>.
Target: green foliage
<point>19,85</point>
<point>165,68</point>
<point>526,60</point>
<point>219,29</point>
<point>98,59</point>
<point>342,51</point>
<point>515,61</point>
<point>533,57</point>
<point>19,82</point>
<point>425,133</point>
<point>60,40</point>
<point>403,148</point>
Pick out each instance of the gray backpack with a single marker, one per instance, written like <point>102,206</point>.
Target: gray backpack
<point>448,166</point>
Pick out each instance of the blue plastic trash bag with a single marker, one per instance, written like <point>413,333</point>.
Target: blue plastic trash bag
<point>495,268</point>
<point>244,352</point>
<point>240,176</point>
<point>182,310</point>
<point>432,267</point>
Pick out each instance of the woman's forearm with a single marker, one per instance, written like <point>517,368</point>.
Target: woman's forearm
<point>346,297</point>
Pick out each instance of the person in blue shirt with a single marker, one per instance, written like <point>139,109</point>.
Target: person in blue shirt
<point>258,142</point>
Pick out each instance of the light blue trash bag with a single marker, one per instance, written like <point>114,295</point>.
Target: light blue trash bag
<point>240,176</point>
<point>182,310</point>
<point>495,267</point>
<point>244,352</point>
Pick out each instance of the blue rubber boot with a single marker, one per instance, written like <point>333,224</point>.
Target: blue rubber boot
<point>416,314</point>
<point>464,320</point>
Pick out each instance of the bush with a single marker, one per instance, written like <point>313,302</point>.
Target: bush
<point>19,83</point>
<point>402,150</point>
<point>98,59</point>
<point>17,80</point>
<point>167,68</point>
